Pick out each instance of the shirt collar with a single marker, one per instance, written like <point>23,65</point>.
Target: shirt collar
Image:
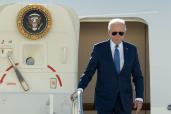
<point>113,44</point>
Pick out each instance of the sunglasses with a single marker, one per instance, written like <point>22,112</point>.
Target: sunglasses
<point>120,33</point>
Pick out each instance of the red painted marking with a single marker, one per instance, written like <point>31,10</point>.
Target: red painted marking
<point>4,75</point>
<point>59,79</point>
<point>52,69</point>
<point>10,67</point>
<point>2,79</point>
<point>57,76</point>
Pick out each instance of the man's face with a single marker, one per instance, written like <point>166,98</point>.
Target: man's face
<point>117,32</point>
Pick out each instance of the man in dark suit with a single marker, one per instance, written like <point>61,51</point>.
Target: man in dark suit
<point>116,61</point>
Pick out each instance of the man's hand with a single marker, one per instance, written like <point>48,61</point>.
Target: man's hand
<point>138,105</point>
<point>73,95</point>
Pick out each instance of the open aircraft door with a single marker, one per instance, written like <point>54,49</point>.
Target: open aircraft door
<point>38,58</point>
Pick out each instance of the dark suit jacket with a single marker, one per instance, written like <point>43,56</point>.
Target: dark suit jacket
<point>109,83</point>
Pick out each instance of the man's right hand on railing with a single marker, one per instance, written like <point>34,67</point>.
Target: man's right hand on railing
<point>74,95</point>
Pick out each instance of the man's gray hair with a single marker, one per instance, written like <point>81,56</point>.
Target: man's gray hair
<point>117,20</point>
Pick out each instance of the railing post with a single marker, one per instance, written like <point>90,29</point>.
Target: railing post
<point>77,107</point>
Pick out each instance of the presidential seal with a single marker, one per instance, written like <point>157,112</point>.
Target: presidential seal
<point>34,21</point>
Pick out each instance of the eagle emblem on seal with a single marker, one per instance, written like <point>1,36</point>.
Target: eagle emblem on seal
<point>34,21</point>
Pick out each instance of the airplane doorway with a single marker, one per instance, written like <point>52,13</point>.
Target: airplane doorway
<point>93,31</point>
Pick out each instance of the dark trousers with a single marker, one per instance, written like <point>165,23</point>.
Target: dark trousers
<point>118,108</point>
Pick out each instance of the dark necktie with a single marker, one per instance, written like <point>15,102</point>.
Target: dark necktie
<point>117,59</point>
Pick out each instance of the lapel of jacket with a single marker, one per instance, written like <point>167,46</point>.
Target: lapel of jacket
<point>126,54</point>
<point>110,56</point>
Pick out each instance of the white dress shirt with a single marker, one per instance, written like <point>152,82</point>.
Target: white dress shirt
<point>121,52</point>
